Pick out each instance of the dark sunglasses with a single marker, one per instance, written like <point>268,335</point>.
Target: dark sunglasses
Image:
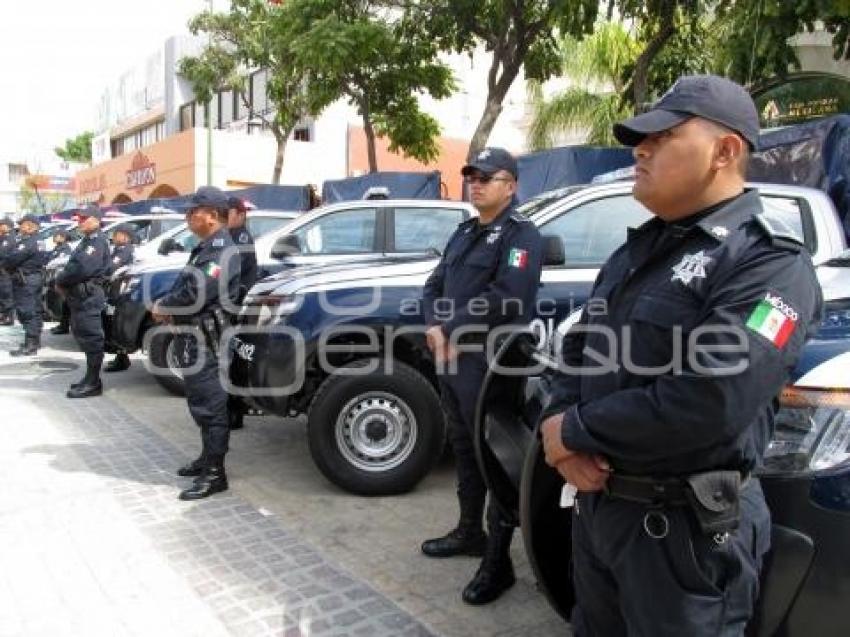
<point>483,179</point>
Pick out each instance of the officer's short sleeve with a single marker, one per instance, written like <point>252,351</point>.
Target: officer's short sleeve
<point>737,359</point>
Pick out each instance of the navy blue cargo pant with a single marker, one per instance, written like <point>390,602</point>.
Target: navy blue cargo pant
<point>27,292</point>
<point>86,324</point>
<point>459,396</point>
<point>204,393</point>
<point>7,299</point>
<point>684,583</point>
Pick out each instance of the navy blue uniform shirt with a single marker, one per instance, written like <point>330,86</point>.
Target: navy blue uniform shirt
<point>89,260</point>
<point>496,266</point>
<point>677,294</point>
<point>120,256</point>
<point>60,249</point>
<point>248,258</point>
<point>26,257</point>
<point>211,269</point>
<point>7,246</point>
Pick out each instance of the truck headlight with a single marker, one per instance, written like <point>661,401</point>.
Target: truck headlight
<point>812,432</point>
<point>264,309</point>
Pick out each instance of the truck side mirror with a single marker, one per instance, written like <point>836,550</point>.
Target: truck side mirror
<point>553,250</point>
<point>286,246</point>
<point>169,245</point>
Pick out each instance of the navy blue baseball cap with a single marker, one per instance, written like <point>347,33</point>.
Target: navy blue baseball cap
<point>60,232</point>
<point>711,97</point>
<point>6,221</point>
<point>492,160</point>
<point>126,228</point>
<point>207,197</point>
<point>30,218</point>
<point>90,210</point>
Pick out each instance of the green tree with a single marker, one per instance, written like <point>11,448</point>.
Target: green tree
<point>352,49</point>
<point>595,67</point>
<point>252,35</point>
<point>758,32</point>
<point>519,35</point>
<point>76,148</point>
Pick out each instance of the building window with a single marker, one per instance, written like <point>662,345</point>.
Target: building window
<point>259,100</point>
<point>199,120</point>
<point>241,109</point>
<point>17,172</point>
<point>225,108</point>
<point>186,112</point>
<point>302,134</point>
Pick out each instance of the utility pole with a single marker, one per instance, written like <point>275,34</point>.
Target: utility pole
<point>209,120</point>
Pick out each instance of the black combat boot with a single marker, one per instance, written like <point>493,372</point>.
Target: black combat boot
<point>496,573</point>
<point>62,328</point>
<point>468,538</point>
<point>211,481</point>
<point>194,468</point>
<point>119,363</point>
<point>28,348</point>
<point>90,385</point>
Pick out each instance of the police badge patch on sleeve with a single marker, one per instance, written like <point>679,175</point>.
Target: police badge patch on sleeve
<point>774,319</point>
<point>218,243</point>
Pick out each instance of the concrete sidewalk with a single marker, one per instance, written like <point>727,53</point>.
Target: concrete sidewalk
<point>94,541</point>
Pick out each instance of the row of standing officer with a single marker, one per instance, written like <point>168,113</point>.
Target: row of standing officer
<point>22,263</point>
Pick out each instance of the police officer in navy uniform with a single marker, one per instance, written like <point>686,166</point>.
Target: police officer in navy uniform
<point>716,301</point>
<point>82,281</point>
<point>26,264</point>
<point>60,249</point>
<point>487,278</point>
<point>208,284</point>
<point>7,247</point>
<point>237,216</point>
<point>120,256</point>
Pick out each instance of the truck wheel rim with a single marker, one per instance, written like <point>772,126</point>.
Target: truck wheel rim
<point>376,431</point>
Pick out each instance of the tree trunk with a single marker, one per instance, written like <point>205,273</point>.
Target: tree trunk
<point>640,77</point>
<point>278,157</point>
<point>497,88</point>
<point>370,142</point>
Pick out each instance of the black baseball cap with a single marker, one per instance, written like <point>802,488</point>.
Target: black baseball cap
<point>90,210</point>
<point>30,218</point>
<point>126,228</point>
<point>6,221</point>
<point>60,232</point>
<point>242,205</point>
<point>708,96</point>
<point>207,197</point>
<point>491,160</point>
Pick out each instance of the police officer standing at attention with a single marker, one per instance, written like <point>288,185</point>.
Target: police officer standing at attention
<point>60,244</point>
<point>121,255</point>
<point>25,263</point>
<point>488,275</point>
<point>7,247</point>
<point>81,281</point>
<point>669,525</point>
<point>209,274</point>
<point>61,248</point>
<point>237,216</point>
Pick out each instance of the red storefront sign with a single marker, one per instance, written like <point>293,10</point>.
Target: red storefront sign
<point>142,172</point>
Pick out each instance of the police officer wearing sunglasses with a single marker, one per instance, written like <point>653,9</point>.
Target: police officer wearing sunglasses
<point>716,300</point>
<point>487,278</point>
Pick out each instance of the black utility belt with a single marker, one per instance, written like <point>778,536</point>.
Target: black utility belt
<point>713,496</point>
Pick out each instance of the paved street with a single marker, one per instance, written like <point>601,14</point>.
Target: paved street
<point>94,542</point>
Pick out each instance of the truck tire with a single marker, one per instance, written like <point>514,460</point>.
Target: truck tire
<point>161,357</point>
<point>376,434</point>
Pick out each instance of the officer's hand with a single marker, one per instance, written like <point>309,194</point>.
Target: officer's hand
<point>553,444</point>
<point>585,472</point>
<point>158,316</point>
<point>439,345</point>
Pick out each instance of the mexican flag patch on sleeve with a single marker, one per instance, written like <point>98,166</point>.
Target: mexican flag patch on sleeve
<point>212,270</point>
<point>774,319</point>
<point>518,258</point>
